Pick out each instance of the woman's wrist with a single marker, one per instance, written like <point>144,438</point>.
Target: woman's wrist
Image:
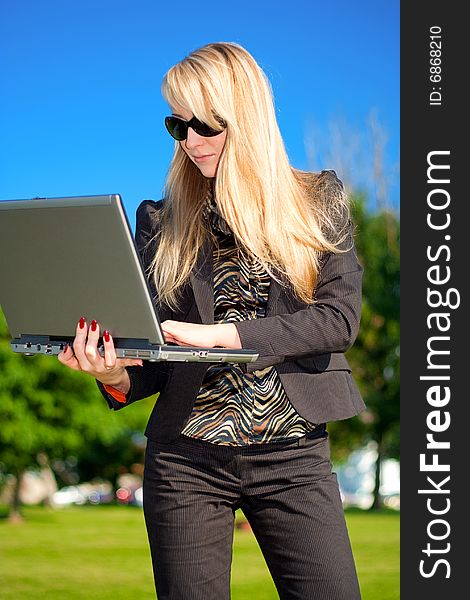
<point>122,383</point>
<point>227,336</point>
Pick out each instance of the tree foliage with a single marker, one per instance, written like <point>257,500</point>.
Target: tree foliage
<point>376,354</point>
<point>374,358</point>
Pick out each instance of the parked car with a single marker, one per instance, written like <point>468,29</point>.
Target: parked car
<point>92,492</point>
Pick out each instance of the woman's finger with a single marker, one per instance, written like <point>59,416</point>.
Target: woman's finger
<point>129,362</point>
<point>170,338</point>
<point>109,351</point>
<point>67,358</point>
<point>91,346</point>
<point>172,332</point>
<point>110,360</point>
<point>79,344</point>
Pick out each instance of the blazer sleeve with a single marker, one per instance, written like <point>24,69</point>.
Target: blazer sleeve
<point>152,376</point>
<point>330,324</point>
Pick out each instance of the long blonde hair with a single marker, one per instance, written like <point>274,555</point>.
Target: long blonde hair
<point>283,217</point>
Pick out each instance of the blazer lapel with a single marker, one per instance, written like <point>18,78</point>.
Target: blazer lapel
<point>273,296</point>
<point>201,282</point>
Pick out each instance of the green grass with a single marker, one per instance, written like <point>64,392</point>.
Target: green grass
<point>101,553</point>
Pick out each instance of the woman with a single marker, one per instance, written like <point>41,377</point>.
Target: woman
<point>243,252</point>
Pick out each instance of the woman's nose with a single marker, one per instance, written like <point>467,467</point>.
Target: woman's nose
<point>193,139</point>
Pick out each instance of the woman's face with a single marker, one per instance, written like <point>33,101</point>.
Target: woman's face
<point>203,151</point>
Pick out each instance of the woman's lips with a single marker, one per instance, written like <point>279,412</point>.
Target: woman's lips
<point>202,158</point>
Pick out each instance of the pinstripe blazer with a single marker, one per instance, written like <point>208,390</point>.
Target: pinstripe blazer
<point>304,342</point>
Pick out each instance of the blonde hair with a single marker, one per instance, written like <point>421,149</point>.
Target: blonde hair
<point>283,217</point>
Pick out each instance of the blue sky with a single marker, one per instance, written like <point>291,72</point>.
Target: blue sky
<point>80,105</point>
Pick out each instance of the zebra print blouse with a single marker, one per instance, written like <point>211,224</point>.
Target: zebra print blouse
<point>233,407</point>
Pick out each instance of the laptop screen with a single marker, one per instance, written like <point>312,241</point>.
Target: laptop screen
<point>63,258</point>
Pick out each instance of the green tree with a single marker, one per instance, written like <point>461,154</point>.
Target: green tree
<point>45,407</point>
<point>374,357</point>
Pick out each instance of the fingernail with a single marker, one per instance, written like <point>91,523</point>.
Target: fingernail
<point>65,348</point>
<point>81,323</point>
<point>106,335</point>
<point>93,325</point>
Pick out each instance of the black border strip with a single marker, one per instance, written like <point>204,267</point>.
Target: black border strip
<point>434,349</point>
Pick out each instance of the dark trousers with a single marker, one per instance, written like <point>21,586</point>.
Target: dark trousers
<point>289,496</point>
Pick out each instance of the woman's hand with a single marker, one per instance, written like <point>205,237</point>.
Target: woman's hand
<point>85,357</point>
<point>205,336</point>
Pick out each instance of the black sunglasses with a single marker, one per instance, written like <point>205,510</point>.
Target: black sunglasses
<point>178,128</point>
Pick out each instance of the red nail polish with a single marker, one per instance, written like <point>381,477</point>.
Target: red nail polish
<point>93,325</point>
<point>106,335</point>
<point>65,348</point>
<point>81,323</point>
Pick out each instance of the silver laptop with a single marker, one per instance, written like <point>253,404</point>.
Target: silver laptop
<point>61,258</point>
